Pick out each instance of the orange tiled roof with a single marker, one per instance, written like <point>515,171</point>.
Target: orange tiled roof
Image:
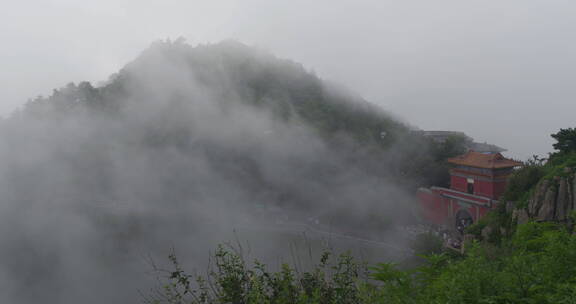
<point>482,160</point>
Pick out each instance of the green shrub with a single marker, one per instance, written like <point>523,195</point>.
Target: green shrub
<point>426,244</point>
<point>538,265</point>
<point>230,280</point>
<point>522,180</point>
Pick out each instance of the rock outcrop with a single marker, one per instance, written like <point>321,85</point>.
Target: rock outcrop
<point>551,200</point>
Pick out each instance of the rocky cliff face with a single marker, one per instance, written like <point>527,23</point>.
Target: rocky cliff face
<point>551,200</point>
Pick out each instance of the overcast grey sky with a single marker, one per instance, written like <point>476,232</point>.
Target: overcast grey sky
<point>503,71</point>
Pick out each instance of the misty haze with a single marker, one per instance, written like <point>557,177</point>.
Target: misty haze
<point>215,167</point>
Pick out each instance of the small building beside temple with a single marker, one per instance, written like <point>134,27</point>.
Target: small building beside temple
<point>477,181</point>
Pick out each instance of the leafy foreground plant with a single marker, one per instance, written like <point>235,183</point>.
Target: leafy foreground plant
<point>230,280</point>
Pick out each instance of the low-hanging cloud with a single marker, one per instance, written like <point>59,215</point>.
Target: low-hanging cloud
<point>178,150</point>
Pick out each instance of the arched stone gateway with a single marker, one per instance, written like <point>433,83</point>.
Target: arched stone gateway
<point>463,220</point>
<point>477,180</point>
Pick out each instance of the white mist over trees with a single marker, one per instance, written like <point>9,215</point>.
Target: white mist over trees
<point>179,148</point>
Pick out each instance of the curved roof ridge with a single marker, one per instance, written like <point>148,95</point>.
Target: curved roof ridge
<point>483,160</point>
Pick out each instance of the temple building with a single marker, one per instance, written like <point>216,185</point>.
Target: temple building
<point>477,181</point>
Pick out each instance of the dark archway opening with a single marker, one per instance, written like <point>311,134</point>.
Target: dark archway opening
<point>463,220</point>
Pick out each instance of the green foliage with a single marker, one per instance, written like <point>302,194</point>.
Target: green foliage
<point>533,268</point>
<point>432,169</point>
<point>453,146</point>
<point>536,265</point>
<point>497,221</point>
<point>396,286</point>
<point>521,183</point>
<point>557,165</point>
<point>476,228</point>
<point>427,243</point>
<point>230,280</point>
<point>565,140</point>
<point>523,179</point>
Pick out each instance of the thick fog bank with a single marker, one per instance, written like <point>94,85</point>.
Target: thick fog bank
<point>181,149</point>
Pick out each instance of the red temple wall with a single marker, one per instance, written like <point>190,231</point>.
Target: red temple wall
<point>458,183</point>
<point>484,188</point>
<point>487,188</point>
<point>433,209</point>
<point>499,188</point>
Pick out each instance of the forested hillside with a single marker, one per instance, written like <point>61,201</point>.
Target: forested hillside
<point>182,147</point>
<point>266,124</point>
<point>172,81</point>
